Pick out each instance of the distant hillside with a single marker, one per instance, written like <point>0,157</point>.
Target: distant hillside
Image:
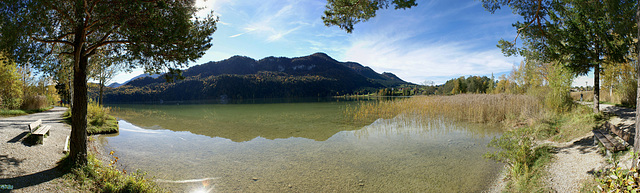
<point>116,84</point>
<point>243,77</point>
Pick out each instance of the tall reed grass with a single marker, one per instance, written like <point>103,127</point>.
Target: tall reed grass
<point>479,108</point>
<point>35,102</point>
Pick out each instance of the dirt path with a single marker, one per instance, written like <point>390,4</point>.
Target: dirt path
<point>577,160</point>
<point>32,168</point>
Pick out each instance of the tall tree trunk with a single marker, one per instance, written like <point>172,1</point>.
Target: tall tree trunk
<point>596,89</point>
<point>78,153</point>
<point>636,138</point>
<point>101,90</point>
<point>78,137</point>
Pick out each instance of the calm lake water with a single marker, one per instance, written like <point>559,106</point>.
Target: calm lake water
<point>299,147</point>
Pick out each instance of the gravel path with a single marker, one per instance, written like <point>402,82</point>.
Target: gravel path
<point>576,161</point>
<point>32,168</point>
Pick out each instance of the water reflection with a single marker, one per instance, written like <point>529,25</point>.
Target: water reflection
<point>243,122</point>
<point>411,126</point>
<point>404,154</point>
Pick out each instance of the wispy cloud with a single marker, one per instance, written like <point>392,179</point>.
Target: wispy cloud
<point>417,61</point>
<point>275,20</point>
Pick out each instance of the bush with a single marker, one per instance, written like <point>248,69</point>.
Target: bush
<point>96,177</point>
<point>35,102</point>
<point>98,119</point>
<point>524,160</point>
<point>13,103</point>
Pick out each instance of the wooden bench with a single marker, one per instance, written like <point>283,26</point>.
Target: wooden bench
<point>608,141</point>
<point>625,136</point>
<point>39,130</point>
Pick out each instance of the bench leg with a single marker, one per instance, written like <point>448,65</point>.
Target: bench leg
<point>40,139</point>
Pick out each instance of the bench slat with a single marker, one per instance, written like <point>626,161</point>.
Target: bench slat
<point>33,126</point>
<point>42,130</point>
<point>605,142</point>
<point>619,132</point>
<point>616,144</point>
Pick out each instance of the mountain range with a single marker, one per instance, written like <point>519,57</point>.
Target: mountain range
<point>316,75</point>
<point>116,84</point>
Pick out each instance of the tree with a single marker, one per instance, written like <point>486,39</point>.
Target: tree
<point>346,13</point>
<point>636,143</point>
<point>104,70</point>
<point>580,34</point>
<point>588,32</point>
<point>157,35</point>
<point>11,89</point>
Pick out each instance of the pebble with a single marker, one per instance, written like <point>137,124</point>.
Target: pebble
<point>254,179</point>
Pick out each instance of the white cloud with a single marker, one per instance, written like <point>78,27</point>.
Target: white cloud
<point>275,20</point>
<point>417,61</point>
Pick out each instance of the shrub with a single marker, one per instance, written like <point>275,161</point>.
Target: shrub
<point>35,102</point>
<point>525,161</point>
<point>96,177</point>
<point>98,119</point>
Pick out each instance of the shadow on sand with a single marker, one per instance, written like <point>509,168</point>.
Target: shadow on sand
<point>20,182</point>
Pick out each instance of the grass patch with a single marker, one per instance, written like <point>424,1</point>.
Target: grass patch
<point>564,127</point>
<point>525,161</point>
<point>98,119</point>
<point>97,177</point>
<point>18,112</point>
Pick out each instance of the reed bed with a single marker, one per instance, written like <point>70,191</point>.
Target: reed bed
<point>478,108</point>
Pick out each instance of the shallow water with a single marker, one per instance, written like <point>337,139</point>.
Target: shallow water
<point>299,147</point>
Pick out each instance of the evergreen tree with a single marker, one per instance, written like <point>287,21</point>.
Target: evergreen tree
<point>157,35</point>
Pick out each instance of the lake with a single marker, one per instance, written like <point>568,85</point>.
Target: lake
<point>299,147</point>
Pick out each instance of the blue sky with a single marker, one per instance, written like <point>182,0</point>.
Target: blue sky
<point>436,41</point>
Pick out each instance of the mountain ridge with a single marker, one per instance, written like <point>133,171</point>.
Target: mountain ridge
<point>314,75</point>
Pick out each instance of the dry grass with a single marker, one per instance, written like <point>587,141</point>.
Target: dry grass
<point>480,108</point>
<point>588,96</point>
<point>35,102</point>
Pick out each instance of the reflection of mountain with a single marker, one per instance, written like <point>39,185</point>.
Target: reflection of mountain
<point>239,123</point>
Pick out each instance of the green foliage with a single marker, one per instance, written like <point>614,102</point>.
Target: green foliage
<point>471,84</point>
<point>559,98</point>
<point>11,89</point>
<point>524,159</point>
<point>618,180</point>
<point>96,177</point>
<point>346,13</point>
<point>98,119</point>
<point>32,32</point>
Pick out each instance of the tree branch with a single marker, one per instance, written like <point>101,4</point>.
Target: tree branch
<point>57,9</point>
<point>52,41</point>
<point>102,40</point>
<point>104,43</point>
